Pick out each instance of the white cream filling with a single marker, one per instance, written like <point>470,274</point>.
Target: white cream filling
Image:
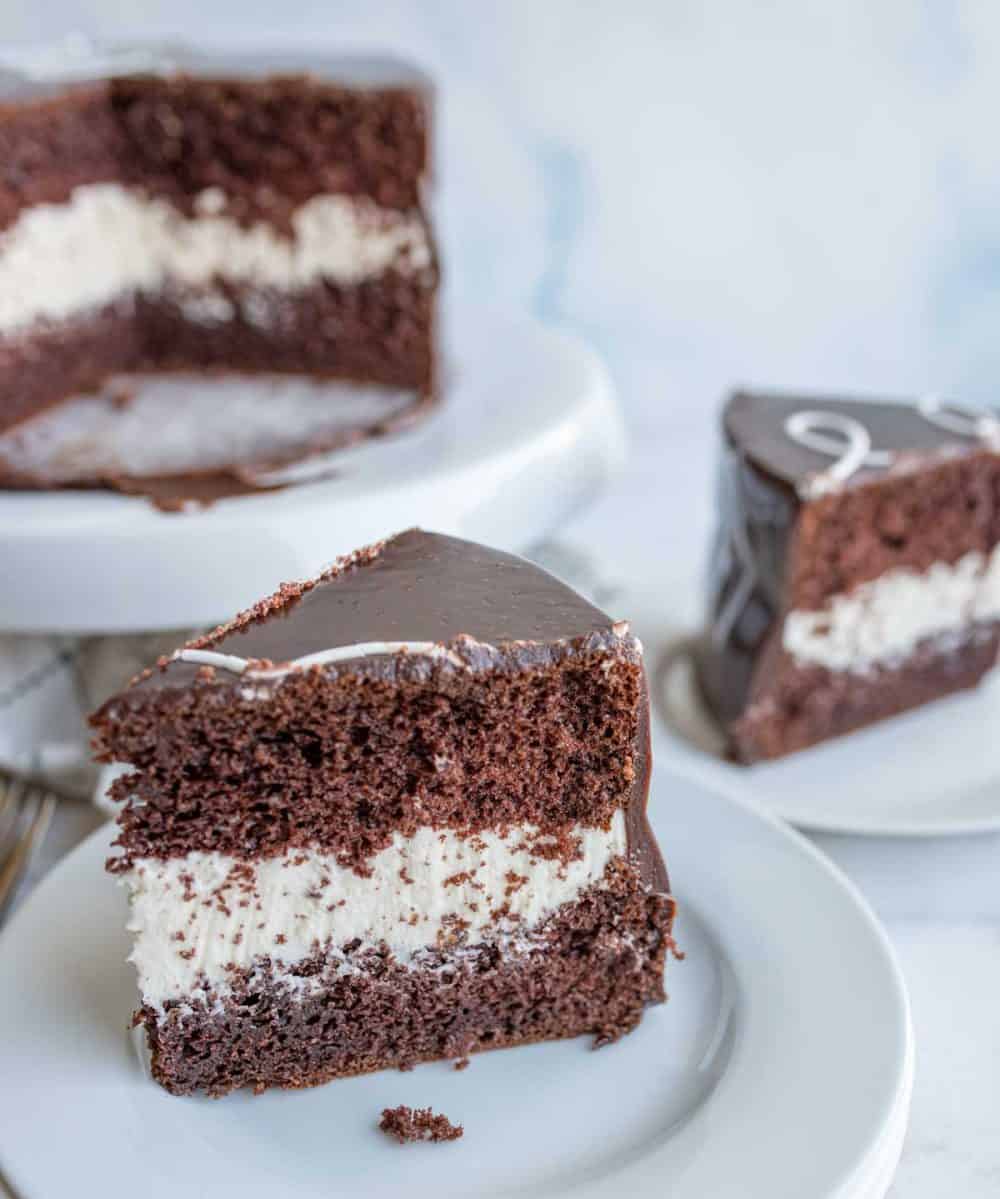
<point>204,914</point>
<point>110,241</point>
<point>882,622</point>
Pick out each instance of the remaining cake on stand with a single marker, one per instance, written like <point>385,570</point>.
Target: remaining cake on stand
<point>856,571</point>
<point>393,814</point>
<point>204,214</point>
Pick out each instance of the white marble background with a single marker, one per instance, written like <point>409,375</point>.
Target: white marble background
<point>794,193</point>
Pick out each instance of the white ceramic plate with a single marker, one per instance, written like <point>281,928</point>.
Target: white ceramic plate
<point>780,1066</point>
<point>930,772</point>
<point>528,432</point>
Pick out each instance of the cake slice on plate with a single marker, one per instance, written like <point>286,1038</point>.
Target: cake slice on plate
<point>856,572</point>
<point>392,814</point>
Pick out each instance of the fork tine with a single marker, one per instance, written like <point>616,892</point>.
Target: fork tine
<point>9,789</point>
<point>10,806</point>
<point>39,806</point>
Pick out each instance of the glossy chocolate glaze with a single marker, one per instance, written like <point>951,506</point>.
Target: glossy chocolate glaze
<point>643,847</point>
<point>764,476</point>
<point>427,587</point>
<point>754,426</point>
<point>419,587</point>
<point>756,515</point>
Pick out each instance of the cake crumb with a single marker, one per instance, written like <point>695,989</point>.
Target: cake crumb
<point>463,1063</point>
<point>121,398</point>
<point>420,1124</point>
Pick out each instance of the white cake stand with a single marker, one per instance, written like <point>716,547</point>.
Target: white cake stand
<point>529,431</point>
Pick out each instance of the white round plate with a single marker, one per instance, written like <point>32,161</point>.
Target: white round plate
<point>529,430</point>
<point>780,1066</point>
<point>930,772</point>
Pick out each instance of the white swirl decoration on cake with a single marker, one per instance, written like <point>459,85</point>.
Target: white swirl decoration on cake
<point>843,438</point>
<point>848,441</point>
<point>956,418</point>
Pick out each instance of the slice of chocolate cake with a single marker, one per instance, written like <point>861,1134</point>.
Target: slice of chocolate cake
<point>176,211</point>
<point>393,814</point>
<point>856,572</point>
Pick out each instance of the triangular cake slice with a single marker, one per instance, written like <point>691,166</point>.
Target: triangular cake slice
<point>392,814</point>
<point>855,573</point>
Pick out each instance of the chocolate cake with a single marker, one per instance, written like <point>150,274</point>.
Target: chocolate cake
<point>856,572</point>
<point>393,814</point>
<point>183,212</point>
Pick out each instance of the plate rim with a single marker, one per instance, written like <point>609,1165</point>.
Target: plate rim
<point>886,1144</point>
<point>914,830</point>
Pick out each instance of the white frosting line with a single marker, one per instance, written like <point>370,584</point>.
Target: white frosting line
<point>882,621</point>
<point>110,241</point>
<point>323,657</point>
<point>188,922</point>
<point>207,657</point>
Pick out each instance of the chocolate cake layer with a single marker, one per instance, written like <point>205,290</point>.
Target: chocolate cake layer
<point>830,584</point>
<point>808,704</point>
<point>342,762</point>
<point>44,367</point>
<point>594,968</point>
<point>269,142</point>
<point>53,144</point>
<point>380,330</point>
